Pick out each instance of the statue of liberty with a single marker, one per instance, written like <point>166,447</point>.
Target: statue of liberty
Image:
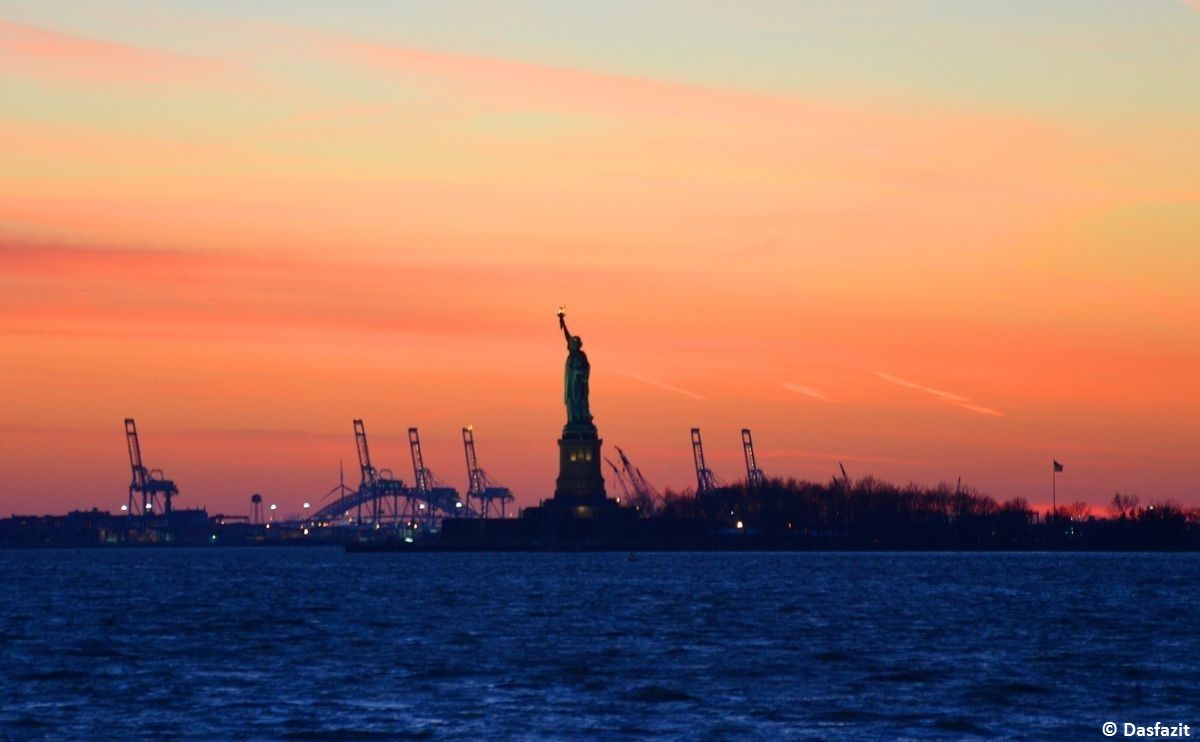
<point>575,381</point>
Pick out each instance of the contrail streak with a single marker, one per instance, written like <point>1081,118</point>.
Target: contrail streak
<point>957,400</point>
<point>664,385</point>
<point>951,396</point>
<point>809,391</point>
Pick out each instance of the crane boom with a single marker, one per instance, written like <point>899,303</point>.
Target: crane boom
<point>754,475</point>
<point>138,481</point>
<point>641,486</point>
<point>620,479</point>
<point>644,484</point>
<point>369,475</point>
<point>474,481</point>
<point>644,495</point>
<point>705,480</point>
<point>630,471</point>
<point>420,473</point>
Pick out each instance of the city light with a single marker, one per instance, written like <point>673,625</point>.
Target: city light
<point>274,506</point>
<point>124,508</point>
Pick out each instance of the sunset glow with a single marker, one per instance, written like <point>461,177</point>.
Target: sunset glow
<point>970,253</point>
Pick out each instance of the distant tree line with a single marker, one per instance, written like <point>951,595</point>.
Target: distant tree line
<point>872,514</point>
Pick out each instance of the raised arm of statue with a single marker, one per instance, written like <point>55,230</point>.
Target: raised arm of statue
<point>562,322</point>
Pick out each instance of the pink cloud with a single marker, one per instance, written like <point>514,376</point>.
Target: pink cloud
<point>59,288</point>
<point>510,82</point>
<point>76,58</point>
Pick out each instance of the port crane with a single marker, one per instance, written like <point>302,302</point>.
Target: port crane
<point>434,494</point>
<point>378,486</point>
<point>754,475</point>
<point>377,490</point>
<point>645,496</point>
<point>480,486</point>
<point>706,481</point>
<point>156,491</point>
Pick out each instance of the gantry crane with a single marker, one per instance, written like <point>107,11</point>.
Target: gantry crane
<point>706,481</point>
<point>434,494</point>
<point>479,485</point>
<point>378,489</point>
<point>754,475</point>
<point>369,474</point>
<point>156,491</point>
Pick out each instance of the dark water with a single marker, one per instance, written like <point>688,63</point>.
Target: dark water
<point>319,644</point>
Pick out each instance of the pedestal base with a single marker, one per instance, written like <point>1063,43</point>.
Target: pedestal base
<point>580,482</point>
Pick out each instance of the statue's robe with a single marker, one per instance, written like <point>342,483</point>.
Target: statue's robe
<point>575,388</point>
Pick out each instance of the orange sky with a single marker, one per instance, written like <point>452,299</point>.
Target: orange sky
<point>246,231</point>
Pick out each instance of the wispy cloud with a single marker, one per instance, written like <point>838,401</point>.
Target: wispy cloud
<point>664,385</point>
<point>1193,4</point>
<point>72,57</point>
<point>980,409</point>
<point>957,400</point>
<point>951,396</point>
<point>75,288</point>
<point>809,391</point>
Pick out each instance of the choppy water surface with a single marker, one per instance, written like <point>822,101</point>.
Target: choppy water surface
<point>319,644</point>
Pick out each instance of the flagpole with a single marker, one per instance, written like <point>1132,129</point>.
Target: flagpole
<point>1054,501</point>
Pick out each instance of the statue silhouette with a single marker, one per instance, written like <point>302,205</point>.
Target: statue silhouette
<point>575,379</point>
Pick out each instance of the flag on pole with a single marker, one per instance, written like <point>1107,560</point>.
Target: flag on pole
<point>1057,467</point>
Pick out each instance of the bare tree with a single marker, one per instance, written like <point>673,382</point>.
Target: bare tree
<point>1124,506</point>
<point>1015,505</point>
<point>1078,511</point>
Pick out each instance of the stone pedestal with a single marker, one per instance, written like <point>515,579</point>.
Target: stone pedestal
<point>580,482</point>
